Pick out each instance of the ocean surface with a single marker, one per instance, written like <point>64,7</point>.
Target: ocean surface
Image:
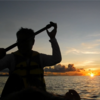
<point>87,87</point>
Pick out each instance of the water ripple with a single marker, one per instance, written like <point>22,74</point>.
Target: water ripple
<point>87,87</point>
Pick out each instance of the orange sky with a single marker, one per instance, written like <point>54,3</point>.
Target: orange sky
<point>78,32</point>
<point>71,70</point>
<point>74,73</point>
<point>70,73</point>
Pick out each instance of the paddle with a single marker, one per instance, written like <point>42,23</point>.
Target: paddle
<point>39,31</point>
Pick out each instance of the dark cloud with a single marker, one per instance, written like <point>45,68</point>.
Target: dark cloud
<point>71,67</point>
<point>61,68</point>
<point>82,69</point>
<point>5,70</point>
<point>89,70</point>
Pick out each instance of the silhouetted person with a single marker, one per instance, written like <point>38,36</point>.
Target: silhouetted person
<point>26,80</point>
<point>25,65</point>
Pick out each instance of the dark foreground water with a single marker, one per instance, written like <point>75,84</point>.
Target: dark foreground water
<point>87,87</point>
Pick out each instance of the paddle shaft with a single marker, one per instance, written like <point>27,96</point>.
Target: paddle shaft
<point>39,31</point>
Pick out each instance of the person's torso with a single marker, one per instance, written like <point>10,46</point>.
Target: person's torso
<point>29,69</point>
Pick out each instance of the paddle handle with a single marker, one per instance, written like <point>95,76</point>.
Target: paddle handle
<point>39,31</point>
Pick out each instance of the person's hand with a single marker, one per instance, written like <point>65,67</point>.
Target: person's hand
<point>52,34</point>
<point>73,95</point>
<point>2,53</point>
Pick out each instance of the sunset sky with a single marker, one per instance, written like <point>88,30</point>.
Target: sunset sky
<point>78,31</point>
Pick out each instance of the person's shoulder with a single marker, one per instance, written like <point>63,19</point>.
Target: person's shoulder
<point>16,53</point>
<point>34,53</point>
<point>8,56</point>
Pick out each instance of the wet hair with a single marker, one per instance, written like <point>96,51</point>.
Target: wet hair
<point>25,32</point>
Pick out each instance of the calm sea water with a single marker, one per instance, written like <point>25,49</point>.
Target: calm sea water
<point>87,87</point>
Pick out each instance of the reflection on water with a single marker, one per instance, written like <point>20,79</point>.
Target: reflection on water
<point>3,79</point>
<point>87,87</point>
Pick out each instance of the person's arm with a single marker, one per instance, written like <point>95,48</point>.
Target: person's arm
<point>49,60</point>
<point>2,53</point>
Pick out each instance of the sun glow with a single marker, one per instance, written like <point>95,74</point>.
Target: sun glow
<point>91,74</point>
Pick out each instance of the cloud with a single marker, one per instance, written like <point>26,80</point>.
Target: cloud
<point>61,68</point>
<point>88,62</point>
<point>76,51</point>
<point>71,67</point>
<point>90,45</point>
<point>85,63</point>
<point>82,69</point>
<point>89,52</point>
<point>72,50</point>
<point>69,73</point>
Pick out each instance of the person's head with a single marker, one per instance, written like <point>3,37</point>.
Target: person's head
<point>73,95</point>
<point>24,42</point>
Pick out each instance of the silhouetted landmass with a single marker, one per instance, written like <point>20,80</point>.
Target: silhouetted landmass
<point>4,74</point>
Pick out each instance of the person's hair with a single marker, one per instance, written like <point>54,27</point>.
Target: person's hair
<point>25,32</point>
